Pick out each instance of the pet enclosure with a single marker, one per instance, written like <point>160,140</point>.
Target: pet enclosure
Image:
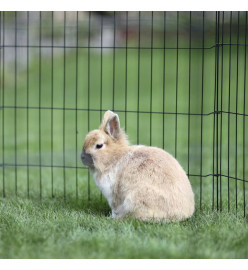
<point>176,79</point>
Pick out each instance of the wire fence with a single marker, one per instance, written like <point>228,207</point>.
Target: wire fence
<point>176,79</point>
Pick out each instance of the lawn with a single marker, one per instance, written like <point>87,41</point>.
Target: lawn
<point>67,229</point>
<point>52,208</point>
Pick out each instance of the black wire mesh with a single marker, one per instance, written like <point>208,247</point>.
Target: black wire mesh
<point>176,79</point>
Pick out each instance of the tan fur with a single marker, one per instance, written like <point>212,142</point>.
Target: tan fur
<point>139,181</point>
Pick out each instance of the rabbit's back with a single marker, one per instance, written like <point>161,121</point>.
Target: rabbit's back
<point>151,182</point>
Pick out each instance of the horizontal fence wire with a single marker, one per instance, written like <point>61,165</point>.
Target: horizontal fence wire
<point>120,47</point>
<point>60,71</point>
<point>86,168</point>
<point>122,111</point>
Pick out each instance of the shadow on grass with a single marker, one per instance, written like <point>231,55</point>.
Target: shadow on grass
<point>96,207</point>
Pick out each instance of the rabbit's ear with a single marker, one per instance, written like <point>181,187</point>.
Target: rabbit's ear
<point>111,124</point>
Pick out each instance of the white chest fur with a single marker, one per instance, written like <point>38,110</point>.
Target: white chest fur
<point>106,184</point>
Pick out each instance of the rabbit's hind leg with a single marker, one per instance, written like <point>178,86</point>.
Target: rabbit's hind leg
<point>124,209</point>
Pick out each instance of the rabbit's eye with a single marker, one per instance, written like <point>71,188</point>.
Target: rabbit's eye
<point>98,146</point>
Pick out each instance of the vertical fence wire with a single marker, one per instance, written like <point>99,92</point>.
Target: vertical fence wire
<point>214,120</point>
<point>52,104</point>
<point>189,99</point>
<point>126,69</point>
<point>64,95</point>
<point>1,86</point>
<point>40,65</point>
<point>229,107</point>
<point>28,179</point>
<point>1,90</point>
<point>244,112</point>
<point>76,106</point>
<point>113,97</point>
<point>3,98</point>
<point>101,77</point>
<point>138,87</point>
<point>176,114</point>
<point>89,29</point>
<point>236,127</point>
<point>164,79</point>
<point>202,104</point>
<point>221,105</point>
<point>15,102</point>
<point>151,79</point>
<point>101,68</point>
<point>217,104</point>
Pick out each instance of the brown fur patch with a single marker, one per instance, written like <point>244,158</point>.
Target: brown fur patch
<point>143,160</point>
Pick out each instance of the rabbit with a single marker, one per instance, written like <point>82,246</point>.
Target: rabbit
<point>138,181</point>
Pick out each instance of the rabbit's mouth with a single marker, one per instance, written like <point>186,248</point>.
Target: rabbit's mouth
<point>87,159</point>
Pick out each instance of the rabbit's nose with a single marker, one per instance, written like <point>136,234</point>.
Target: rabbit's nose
<point>86,158</point>
<point>83,155</point>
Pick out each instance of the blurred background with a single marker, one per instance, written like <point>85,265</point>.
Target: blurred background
<point>176,79</point>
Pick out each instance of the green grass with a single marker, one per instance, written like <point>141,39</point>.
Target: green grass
<point>59,229</point>
<point>81,228</point>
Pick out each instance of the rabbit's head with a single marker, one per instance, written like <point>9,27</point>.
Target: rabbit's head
<point>104,144</point>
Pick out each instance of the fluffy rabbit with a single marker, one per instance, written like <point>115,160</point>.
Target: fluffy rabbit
<point>138,181</point>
